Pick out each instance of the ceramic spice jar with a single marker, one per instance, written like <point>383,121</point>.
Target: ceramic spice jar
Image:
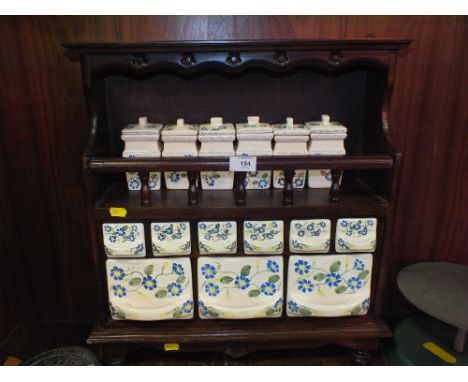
<point>290,139</point>
<point>254,138</point>
<point>142,141</point>
<point>217,139</point>
<point>180,140</point>
<point>326,138</point>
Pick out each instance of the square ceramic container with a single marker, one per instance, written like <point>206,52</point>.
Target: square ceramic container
<point>309,236</point>
<point>171,238</point>
<point>299,179</point>
<point>290,138</point>
<point>180,140</point>
<point>319,179</point>
<point>240,287</point>
<point>329,286</point>
<point>217,237</point>
<point>142,141</point>
<point>254,138</point>
<point>217,139</point>
<point>124,239</point>
<point>356,235</point>
<point>150,289</point>
<point>326,138</point>
<point>264,236</point>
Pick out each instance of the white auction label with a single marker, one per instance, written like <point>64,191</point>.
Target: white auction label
<point>243,163</point>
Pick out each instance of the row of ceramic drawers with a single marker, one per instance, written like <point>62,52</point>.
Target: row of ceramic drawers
<point>240,288</point>
<point>259,237</point>
<point>224,180</point>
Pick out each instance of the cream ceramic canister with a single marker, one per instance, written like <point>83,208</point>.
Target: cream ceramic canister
<point>142,141</point>
<point>180,140</point>
<point>217,139</point>
<point>290,139</point>
<point>326,138</point>
<point>255,138</point>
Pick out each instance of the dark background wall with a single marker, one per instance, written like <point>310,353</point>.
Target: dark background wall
<point>45,267</point>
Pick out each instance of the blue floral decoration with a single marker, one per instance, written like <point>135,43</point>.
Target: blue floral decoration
<point>305,285</point>
<point>149,283</point>
<point>177,269</point>
<point>208,271</point>
<point>119,291</point>
<point>117,273</point>
<point>242,282</point>
<point>302,267</point>
<point>359,265</point>
<point>212,289</point>
<point>107,228</point>
<point>354,283</point>
<point>365,304</point>
<point>278,305</point>
<point>268,288</point>
<point>175,289</point>
<point>293,306</point>
<point>273,266</point>
<point>134,183</point>
<point>187,306</point>
<point>202,309</point>
<point>263,183</point>
<point>333,279</point>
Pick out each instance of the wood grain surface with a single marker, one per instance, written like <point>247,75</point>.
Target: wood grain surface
<point>46,267</point>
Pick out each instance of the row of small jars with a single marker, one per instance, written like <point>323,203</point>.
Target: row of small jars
<point>217,139</point>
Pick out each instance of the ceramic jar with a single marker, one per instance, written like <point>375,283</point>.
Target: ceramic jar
<point>180,140</point>
<point>290,139</point>
<point>326,138</point>
<point>217,139</point>
<point>142,141</point>
<point>254,138</point>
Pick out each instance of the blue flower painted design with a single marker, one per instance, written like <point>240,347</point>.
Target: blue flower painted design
<point>202,309</point>
<point>175,289</point>
<point>208,271</point>
<point>174,177</point>
<point>365,304</point>
<point>107,228</point>
<point>119,291</point>
<point>305,286</point>
<point>177,269</point>
<point>268,288</point>
<point>359,265</point>
<point>138,249</point>
<point>242,282</point>
<point>333,279</point>
<point>273,266</point>
<point>212,289</point>
<point>302,267</point>
<point>278,305</point>
<point>134,183</point>
<point>263,183</point>
<point>293,306</point>
<point>187,306</point>
<point>117,273</point>
<point>301,233</point>
<point>298,182</point>
<point>354,283</point>
<point>149,283</point>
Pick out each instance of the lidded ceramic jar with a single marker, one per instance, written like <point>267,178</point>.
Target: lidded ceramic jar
<point>142,141</point>
<point>326,138</point>
<point>217,139</point>
<point>290,139</point>
<point>180,140</point>
<point>254,138</point>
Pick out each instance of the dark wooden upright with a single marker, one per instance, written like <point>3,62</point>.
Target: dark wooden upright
<point>349,79</point>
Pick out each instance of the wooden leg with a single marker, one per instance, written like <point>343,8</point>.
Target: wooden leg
<point>360,357</point>
<point>459,343</point>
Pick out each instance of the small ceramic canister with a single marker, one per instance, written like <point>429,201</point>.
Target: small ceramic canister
<point>327,138</point>
<point>180,140</point>
<point>217,139</point>
<point>290,139</point>
<point>254,138</point>
<point>142,141</point>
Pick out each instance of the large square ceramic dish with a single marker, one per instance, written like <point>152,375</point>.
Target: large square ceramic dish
<point>356,235</point>
<point>329,285</point>
<point>309,236</point>
<point>124,239</point>
<point>217,237</point>
<point>298,181</point>
<point>171,238</point>
<point>240,287</point>
<point>263,237</point>
<point>150,289</point>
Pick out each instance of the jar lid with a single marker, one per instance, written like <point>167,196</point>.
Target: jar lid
<point>253,126</point>
<point>216,127</point>
<point>180,129</point>
<point>142,128</point>
<point>289,128</point>
<point>325,126</point>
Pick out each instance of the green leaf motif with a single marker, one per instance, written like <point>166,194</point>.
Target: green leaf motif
<point>135,281</point>
<point>254,293</point>
<point>270,311</point>
<point>335,266</point>
<point>273,279</point>
<point>180,279</point>
<point>226,279</point>
<point>341,289</point>
<point>305,311</point>
<point>320,276</point>
<point>363,274</point>
<point>356,310</point>
<point>161,293</point>
<point>213,313</point>
<point>177,313</point>
<point>148,269</point>
<point>245,270</point>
